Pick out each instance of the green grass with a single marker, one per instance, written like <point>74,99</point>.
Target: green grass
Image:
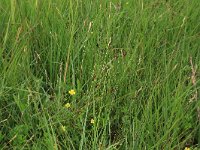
<point>132,64</point>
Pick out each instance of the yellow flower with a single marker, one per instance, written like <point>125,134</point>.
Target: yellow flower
<point>67,105</point>
<point>72,92</point>
<point>62,128</point>
<point>187,148</point>
<point>92,121</point>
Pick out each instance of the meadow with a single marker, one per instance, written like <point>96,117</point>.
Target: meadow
<point>100,75</point>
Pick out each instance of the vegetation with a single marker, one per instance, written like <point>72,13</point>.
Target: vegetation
<point>99,74</point>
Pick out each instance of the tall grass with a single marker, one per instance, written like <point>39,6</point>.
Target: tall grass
<point>133,64</point>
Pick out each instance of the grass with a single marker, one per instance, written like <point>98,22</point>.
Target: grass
<point>133,64</point>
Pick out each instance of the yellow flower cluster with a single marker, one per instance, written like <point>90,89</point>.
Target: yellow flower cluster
<point>92,121</point>
<point>67,105</point>
<point>72,92</point>
<point>62,128</point>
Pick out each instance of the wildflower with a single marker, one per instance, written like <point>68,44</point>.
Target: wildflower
<point>187,148</point>
<point>67,105</point>
<point>72,92</point>
<point>92,121</point>
<point>62,128</point>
